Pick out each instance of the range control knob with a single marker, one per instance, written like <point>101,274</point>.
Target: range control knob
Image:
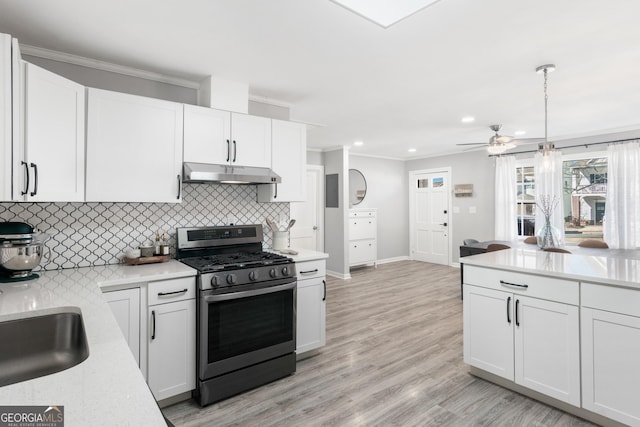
<point>285,271</point>
<point>253,276</point>
<point>215,281</point>
<point>231,279</point>
<point>273,272</point>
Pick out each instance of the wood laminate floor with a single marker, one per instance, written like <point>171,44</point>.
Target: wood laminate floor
<point>393,358</point>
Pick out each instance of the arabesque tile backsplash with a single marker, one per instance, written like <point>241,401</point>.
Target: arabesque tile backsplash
<point>87,234</point>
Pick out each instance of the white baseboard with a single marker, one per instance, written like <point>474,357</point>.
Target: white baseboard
<point>455,264</point>
<point>394,259</point>
<point>338,275</point>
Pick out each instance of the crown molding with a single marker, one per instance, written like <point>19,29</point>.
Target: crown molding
<point>106,66</point>
<point>373,156</point>
<point>270,101</point>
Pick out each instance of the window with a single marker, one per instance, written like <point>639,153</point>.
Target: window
<point>584,196</point>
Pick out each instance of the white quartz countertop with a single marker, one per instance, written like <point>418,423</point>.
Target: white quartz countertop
<point>304,255</point>
<point>108,387</point>
<point>605,266</point>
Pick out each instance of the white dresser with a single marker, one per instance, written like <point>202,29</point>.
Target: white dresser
<point>363,232</point>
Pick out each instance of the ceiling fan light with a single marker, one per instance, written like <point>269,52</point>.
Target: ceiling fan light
<point>496,149</point>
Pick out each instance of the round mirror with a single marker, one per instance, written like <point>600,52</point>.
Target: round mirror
<point>357,186</point>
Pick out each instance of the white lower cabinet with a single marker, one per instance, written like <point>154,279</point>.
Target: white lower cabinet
<point>158,320</point>
<point>125,306</point>
<point>171,337</point>
<point>610,352</point>
<point>310,305</point>
<point>171,367</point>
<point>531,341</point>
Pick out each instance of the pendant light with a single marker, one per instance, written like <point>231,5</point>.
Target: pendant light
<point>546,147</point>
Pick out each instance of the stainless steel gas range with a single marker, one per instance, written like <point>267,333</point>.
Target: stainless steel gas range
<point>246,324</point>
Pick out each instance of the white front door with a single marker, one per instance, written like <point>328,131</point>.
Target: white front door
<point>429,216</point>
<point>308,231</point>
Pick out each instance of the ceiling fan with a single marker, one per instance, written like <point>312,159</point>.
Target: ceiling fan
<point>498,144</point>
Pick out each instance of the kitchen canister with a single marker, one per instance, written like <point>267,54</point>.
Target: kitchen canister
<point>280,240</point>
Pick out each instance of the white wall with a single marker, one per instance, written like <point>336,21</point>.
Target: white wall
<point>107,80</point>
<point>335,219</point>
<point>315,158</point>
<point>386,191</point>
<point>468,168</point>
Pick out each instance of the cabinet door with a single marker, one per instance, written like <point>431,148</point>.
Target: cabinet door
<point>250,140</point>
<point>547,348</point>
<point>488,330</point>
<point>6,126</point>
<point>53,137</point>
<point>362,228</point>
<point>134,148</point>
<point>125,305</point>
<point>172,348</point>
<point>362,251</point>
<point>207,135</point>
<point>610,368</point>
<point>311,314</point>
<point>288,159</point>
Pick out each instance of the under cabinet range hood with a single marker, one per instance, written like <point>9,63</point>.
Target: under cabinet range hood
<point>226,174</point>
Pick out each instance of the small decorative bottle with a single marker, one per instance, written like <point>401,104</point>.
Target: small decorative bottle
<point>157,247</point>
<point>165,244</point>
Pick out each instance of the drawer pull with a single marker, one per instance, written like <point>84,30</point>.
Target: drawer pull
<point>324,296</point>
<point>164,294</point>
<point>309,271</point>
<point>517,285</point>
<point>153,324</point>
<point>509,310</point>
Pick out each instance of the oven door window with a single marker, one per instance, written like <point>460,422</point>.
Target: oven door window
<point>243,325</point>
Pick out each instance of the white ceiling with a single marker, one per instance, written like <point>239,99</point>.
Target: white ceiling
<point>405,86</point>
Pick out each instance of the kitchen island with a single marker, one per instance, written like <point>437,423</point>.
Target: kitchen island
<point>107,388</point>
<point>562,328</point>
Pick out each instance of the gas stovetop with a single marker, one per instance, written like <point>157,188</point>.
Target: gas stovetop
<point>236,261</point>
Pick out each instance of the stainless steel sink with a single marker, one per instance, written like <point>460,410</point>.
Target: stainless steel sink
<point>41,345</point>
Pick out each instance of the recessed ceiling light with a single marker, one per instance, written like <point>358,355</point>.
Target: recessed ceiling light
<point>468,119</point>
<point>358,143</point>
<point>520,132</point>
<point>385,12</point>
<point>412,150</point>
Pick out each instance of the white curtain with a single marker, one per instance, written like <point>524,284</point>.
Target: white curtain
<point>622,210</point>
<point>505,196</point>
<point>548,182</point>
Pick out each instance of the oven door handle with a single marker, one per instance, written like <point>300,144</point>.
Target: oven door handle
<point>244,294</point>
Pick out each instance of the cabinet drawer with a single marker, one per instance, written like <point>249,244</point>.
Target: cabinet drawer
<point>171,290</point>
<point>362,251</point>
<point>362,228</point>
<point>310,269</point>
<point>362,214</point>
<point>548,288</point>
<point>611,298</point>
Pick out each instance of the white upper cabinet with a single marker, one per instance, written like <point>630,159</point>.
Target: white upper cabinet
<point>5,116</point>
<point>250,140</point>
<point>48,162</point>
<point>288,159</point>
<point>222,137</point>
<point>134,148</point>
<point>207,135</point>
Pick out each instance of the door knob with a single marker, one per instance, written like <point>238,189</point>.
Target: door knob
<point>444,223</point>
<point>315,228</point>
